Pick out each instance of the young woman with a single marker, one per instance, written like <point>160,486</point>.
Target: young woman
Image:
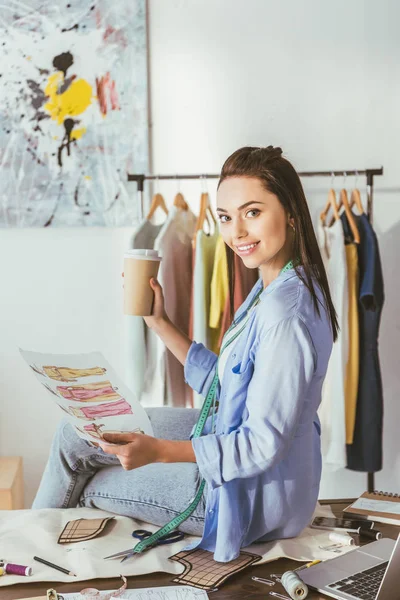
<point>259,454</point>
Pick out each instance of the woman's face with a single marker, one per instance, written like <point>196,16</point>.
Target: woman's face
<point>253,223</point>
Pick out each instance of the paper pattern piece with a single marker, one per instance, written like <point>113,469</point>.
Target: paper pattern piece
<point>89,392</point>
<point>202,571</point>
<point>156,593</point>
<point>81,530</point>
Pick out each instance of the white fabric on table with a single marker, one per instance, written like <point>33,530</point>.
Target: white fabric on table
<point>28,533</point>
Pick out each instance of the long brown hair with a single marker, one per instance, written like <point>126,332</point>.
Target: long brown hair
<point>279,177</point>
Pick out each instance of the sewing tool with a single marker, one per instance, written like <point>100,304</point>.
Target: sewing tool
<point>143,534</point>
<point>95,594</point>
<point>2,571</point>
<point>279,595</point>
<point>295,587</point>
<point>341,538</point>
<point>53,566</point>
<point>265,581</point>
<point>335,548</point>
<point>371,534</point>
<point>12,569</point>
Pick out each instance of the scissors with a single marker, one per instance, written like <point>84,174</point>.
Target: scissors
<point>143,534</point>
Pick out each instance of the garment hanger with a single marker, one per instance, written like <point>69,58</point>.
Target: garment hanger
<point>180,202</point>
<point>205,213</point>
<point>355,199</point>
<point>157,202</point>
<point>344,201</point>
<point>331,203</point>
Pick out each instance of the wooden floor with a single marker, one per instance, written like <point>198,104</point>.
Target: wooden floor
<point>238,587</point>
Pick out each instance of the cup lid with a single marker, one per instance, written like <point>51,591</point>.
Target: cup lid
<point>142,253</point>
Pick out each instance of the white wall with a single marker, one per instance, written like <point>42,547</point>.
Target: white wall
<point>322,83</point>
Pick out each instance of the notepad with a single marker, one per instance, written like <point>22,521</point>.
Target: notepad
<point>383,507</point>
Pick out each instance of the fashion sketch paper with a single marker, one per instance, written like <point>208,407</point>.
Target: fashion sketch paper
<point>88,391</point>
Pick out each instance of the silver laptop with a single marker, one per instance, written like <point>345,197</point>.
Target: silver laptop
<point>371,572</point>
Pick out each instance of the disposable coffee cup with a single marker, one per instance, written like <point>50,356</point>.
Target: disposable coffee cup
<point>139,267</point>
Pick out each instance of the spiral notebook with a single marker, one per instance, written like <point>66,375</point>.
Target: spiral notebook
<point>383,507</point>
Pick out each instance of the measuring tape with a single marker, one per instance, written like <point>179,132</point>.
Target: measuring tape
<point>205,410</point>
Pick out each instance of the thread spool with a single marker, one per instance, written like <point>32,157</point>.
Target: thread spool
<point>295,587</point>
<point>12,569</point>
<point>2,571</point>
<point>341,538</point>
<point>371,534</point>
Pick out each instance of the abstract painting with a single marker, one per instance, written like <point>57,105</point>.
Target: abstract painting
<point>73,111</point>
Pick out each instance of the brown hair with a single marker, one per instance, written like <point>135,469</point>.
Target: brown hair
<point>279,177</point>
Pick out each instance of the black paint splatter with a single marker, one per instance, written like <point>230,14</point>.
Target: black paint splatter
<point>38,97</point>
<point>63,61</point>
<point>66,84</point>
<point>76,26</point>
<point>66,143</point>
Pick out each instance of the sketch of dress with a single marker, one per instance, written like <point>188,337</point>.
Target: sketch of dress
<point>95,430</point>
<point>109,409</point>
<point>69,374</point>
<point>89,392</point>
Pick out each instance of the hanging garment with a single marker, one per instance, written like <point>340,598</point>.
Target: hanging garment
<point>136,353</point>
<point>174,243</point>
<point>332,409</point>
<point>351,385</point>
<point>205,245</point>
<point>365,453</point>
<point>219,290</point>
<point>244,281</point>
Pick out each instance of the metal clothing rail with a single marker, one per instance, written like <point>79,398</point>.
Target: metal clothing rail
<point>369,173</point>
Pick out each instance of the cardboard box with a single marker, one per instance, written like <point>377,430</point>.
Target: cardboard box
<point>11,483</point>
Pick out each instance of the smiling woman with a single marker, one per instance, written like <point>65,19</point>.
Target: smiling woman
<point>265,219</point>
<point>251,470</point>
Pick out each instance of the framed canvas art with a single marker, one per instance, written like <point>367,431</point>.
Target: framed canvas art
<point>73,111</point>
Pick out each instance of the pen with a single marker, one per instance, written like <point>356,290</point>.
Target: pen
<point>53,566</point>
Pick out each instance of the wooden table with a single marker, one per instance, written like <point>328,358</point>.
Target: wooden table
<point>238,587</point>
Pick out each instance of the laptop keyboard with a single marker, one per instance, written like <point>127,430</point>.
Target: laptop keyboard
<point>363,585</point>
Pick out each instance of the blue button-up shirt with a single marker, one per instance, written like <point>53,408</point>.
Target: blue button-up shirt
<point>263,463</point>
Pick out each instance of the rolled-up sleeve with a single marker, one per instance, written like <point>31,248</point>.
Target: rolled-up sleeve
<point>200,368</point>
<point>284,366</point>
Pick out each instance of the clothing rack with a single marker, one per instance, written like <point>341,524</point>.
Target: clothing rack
<point>369,173</point>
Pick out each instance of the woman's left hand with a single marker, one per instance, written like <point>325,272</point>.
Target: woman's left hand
<point>133,450</point>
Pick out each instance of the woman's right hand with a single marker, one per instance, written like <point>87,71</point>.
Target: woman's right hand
<point>158,315</point>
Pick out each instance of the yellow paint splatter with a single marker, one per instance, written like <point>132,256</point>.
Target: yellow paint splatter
<point>71,103</point>
<point>88,178</point>
<point>77,133</point>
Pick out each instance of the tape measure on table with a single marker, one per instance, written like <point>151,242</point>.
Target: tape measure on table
<point>205,410</point>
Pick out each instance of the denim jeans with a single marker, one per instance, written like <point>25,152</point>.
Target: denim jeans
<point>79,474</point>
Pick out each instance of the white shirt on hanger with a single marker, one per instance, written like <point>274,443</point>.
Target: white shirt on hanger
<point>332,408</point>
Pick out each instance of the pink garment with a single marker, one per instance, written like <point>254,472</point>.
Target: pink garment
<point>109,409</point>
<point>175,244</point>
<point>81,393</point>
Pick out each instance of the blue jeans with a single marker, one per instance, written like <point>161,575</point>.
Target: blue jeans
<point>79,474</point>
